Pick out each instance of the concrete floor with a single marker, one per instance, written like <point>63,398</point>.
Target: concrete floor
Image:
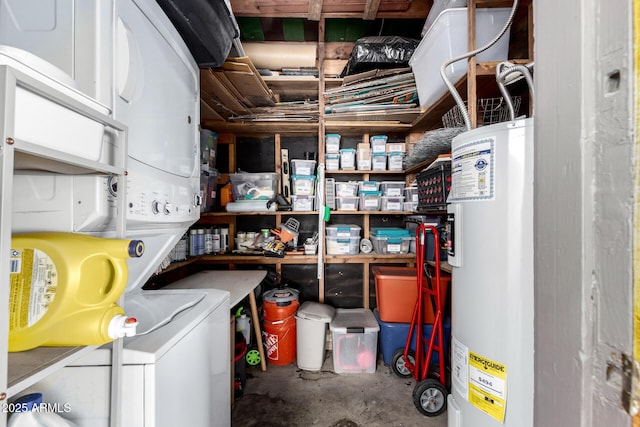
<point>287,396</point>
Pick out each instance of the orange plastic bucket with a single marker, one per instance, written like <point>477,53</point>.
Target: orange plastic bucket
<point>280,304</point>
<point>279,339</point>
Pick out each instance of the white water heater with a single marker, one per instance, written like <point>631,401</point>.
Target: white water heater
<point>490,218</point>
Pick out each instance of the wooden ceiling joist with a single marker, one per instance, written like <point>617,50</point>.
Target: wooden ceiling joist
<point>371,10</point>
<point>315,10</point>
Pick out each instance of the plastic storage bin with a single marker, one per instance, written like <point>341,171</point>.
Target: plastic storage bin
<point>411,194</point>
<point>397,293</point>
<point>347,203</point>
<point>303,185</point>
<point>302,203</point>
<point>332,143</point>
<point>348,158</point>
<point>343,246</point>
<point>394,161</point>
<point>437,8</point>
<point>378,143</point>
<point>393,337</point>
<point>346,189</point>
<point>370,200</point>
<point>254,186</point>
<point>392,188</point>
<point>379,161</point>
<point>446,39</point>
<point>332,161</point>
<point>312,321</point>
<point>394,203</point>
<point>355,340</point>
<point>368,185</point>
<point>343,231</point>
<point>303,167</point>
<point>410,206</point>
<point>391,240</point>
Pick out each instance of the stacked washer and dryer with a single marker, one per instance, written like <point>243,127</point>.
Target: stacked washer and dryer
<point>125,59</point>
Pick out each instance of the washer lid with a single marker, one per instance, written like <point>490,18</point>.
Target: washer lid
<point>316,311</point>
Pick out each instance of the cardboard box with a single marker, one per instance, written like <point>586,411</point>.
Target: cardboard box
<point>396,147</point>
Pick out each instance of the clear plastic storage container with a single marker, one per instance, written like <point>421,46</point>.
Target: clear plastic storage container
<point>254,186</point>
<point>370,200</point>
<point>303,167</point>
<point>355,340</point>
<point>343,231</point>
<point>395,203</point>
<point>343,246</point>
<point>392,188</point>
<point>303,185</point>
<point>347,203</point>
<point>346,189</point>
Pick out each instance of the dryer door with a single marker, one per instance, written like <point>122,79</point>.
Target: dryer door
<point>156,89</point>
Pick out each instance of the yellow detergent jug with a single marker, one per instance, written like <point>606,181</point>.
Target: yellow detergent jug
<point>64,288</point>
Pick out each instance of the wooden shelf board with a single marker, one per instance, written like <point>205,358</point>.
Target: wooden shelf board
<point>370,213</point>
<point>256,259</point>
<point>370,127</point>
<point>361,172</point>
<point>290,87</point>
<point>267,128</point>
<point>370,258</point>
<point>271,213</point>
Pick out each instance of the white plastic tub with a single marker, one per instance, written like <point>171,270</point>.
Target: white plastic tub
<point>446,39</point>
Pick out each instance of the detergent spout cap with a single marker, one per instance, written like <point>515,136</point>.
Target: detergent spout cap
<point>122,326</point>
<point>136,248</point>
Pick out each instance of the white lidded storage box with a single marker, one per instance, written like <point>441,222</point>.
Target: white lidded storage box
<point>436,10</point>
<point>332,143</point>
<point>303,167</point>
<point>302,202</point>
<point>303,185</point>
<point>312,320</point>
<point>446,39</point>
<point>343,246</point>
<point>347,203</point>
<point>343,230</point>
<point>332,161</point>
<point>355,340</point>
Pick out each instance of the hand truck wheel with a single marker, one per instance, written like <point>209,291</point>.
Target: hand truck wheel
<point>398,363</point>
<point>430,397</point>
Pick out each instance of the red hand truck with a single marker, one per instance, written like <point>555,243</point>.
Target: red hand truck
<point>430,392</point>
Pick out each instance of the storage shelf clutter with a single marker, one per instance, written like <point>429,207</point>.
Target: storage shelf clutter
<point>353,163</point>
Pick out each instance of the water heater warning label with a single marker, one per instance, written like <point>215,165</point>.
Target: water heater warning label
<point>472,171</point>
<point>488,385</point>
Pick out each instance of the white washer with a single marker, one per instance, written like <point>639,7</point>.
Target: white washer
<point>176,375</point>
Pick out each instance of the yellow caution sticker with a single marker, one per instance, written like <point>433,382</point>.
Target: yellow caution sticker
<point>488,385</point>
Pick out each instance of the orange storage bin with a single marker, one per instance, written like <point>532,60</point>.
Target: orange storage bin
<point>397,293</point>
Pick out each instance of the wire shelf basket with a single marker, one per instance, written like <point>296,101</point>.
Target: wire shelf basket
<point>490,111</point>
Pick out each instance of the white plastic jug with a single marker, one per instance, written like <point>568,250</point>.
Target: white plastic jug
<point>30,411</point>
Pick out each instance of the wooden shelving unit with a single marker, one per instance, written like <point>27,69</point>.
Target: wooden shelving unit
<point>477,83</point>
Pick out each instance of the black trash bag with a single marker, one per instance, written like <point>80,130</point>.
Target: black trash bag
<point>380,52</point>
